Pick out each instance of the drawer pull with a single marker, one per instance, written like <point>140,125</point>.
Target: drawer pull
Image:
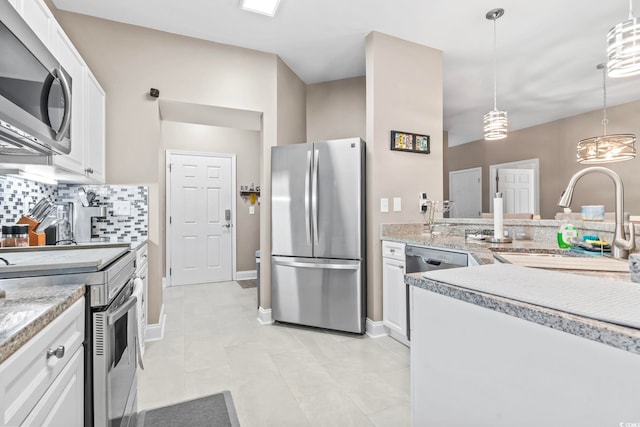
<point>401,267</point>
<point>393,251</point>
<point>58,352</point>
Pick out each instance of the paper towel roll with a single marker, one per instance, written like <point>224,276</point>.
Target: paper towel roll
<point>138,289</point>
<point>498,217</point>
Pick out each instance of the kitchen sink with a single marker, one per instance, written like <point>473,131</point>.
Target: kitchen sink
<point>564,261</point>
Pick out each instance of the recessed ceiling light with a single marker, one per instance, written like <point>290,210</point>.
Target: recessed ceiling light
<point>263,7</point>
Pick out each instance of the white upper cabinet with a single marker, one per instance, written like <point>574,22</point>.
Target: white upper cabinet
<point>38,17</point>
<point>70,59</point>
<point>86,161</point>
<point>95,130</point>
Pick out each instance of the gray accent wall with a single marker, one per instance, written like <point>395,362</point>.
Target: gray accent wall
<point>555,144</point>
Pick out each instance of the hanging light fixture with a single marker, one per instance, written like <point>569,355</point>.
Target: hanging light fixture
<point>623,47</point>
<point>495,121</point>
<point>606,148</point>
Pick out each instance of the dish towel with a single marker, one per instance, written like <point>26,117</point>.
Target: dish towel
<point>137,292</point>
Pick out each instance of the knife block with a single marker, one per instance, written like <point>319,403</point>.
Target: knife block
<point>35,239</point>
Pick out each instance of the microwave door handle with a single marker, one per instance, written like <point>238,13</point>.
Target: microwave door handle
<point>44,98</point>
<point>113,317</point>
<point>66,94</point>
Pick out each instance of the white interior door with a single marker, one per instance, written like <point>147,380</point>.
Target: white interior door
<point>465,190</point>
<point>517,188</point>
<point>200,218</point>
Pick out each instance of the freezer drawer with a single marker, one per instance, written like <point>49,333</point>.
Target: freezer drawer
<point>318,292</point>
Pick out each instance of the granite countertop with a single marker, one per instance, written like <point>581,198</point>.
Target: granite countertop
<point>625,336</point>
<point>612,334</point>
<point>26,310</point>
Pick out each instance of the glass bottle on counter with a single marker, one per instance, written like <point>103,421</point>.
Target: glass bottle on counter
<point>15,236</point>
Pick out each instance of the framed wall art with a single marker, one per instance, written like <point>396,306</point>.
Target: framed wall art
<point>411,142</point>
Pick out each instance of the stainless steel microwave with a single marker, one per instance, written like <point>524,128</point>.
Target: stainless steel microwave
<point>35,92</point>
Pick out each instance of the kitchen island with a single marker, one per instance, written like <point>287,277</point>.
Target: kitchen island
<point>498,345</point>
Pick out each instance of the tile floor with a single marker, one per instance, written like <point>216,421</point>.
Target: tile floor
<point>278,375</point>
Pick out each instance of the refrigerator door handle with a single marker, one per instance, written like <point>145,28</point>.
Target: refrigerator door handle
<point>307,176</point>
<point>314,196</point>
<point>317,265</point>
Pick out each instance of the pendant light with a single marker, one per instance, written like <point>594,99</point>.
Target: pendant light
<point>623,47</point>
<point>495,121</point>
<point>606,148</point>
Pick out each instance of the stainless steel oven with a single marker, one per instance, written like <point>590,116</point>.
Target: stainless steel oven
<point>115,357</point>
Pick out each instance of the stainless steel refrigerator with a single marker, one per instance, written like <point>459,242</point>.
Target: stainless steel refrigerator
<point>318,268</point>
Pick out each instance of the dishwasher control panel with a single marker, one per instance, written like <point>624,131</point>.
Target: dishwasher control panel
<point>419,259</point>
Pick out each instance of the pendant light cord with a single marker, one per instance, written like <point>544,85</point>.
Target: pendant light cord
<point>495,68</point>
<point>605,121</point>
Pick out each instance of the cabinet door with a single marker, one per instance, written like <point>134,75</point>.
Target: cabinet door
<point>62,404</point>
<point>95,130</point>
<point>70,59</point>
<point>394,303</point>
<point>37,16</point>
<point>27,375</point>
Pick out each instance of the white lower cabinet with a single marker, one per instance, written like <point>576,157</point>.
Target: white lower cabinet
<point>472,366</point>
<point>42,384</point>
<point>62,404</point>
<point>394,291</point>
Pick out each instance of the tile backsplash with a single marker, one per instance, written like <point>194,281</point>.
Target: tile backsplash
<point>18,195</point>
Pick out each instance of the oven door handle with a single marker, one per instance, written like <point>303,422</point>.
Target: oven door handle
<point>113,317</point>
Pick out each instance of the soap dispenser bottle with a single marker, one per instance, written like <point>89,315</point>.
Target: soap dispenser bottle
<point>567,231</point>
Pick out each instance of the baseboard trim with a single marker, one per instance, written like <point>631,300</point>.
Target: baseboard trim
<point>264,316</point>
<point>375,329</point>
<point>155,332</point>
<point>246,275</point>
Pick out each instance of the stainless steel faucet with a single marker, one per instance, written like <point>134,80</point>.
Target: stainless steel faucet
<point>621,247</point>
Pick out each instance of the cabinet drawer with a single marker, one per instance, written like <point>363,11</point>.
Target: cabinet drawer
<point>142,255</point>
<point>394,250</point>
<point>27,374</point>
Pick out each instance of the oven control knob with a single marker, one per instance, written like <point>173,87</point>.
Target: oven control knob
<point>58,352</point>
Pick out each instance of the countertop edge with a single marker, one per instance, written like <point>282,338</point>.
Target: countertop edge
<point>16,341</point>
<point>621,337</point>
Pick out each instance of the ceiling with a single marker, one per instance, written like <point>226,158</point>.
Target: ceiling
<point>547,50</point>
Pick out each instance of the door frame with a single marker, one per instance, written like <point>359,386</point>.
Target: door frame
<point>460,171</point>
<point>520,164</point>
<point>167,208</point>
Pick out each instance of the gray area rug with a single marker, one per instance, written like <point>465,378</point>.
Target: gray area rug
<point>249,283</point>
<point>216,410</point>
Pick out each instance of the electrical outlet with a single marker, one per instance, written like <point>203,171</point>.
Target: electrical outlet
<point>422,202</point>
<point>121,208</point>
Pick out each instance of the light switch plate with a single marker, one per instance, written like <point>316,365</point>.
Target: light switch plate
<point>252,210</point>
<point>384,204</point>
<point>397,204</point>
<point>121,208</point>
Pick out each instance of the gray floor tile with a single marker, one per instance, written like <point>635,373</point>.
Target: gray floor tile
<point>279,375</point>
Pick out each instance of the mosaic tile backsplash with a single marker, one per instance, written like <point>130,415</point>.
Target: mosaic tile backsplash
<point>17,196</point>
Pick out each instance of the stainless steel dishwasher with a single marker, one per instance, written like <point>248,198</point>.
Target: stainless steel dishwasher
<point>419,259</point>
